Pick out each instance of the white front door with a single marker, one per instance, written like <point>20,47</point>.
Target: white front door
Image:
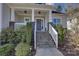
<point>40,24</point>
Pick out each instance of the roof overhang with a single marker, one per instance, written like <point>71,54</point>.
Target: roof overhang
<point>30,6</point>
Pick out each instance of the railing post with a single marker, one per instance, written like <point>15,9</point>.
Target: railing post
<point>35,36</point>
<point>56,40</point>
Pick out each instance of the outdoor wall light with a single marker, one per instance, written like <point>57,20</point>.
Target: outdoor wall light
<point>25,11</point>
<point>39,12</point>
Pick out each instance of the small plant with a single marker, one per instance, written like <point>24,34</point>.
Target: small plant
<point>6,49</point>
<point>22,49</point>
<point>61,32</point>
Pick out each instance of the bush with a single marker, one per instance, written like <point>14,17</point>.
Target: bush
<point>9,36</point>
<point>25,33</point>
<point>29,32</point>
<point>6,49</point>
<point>22,49</point>
<point>61,32</point>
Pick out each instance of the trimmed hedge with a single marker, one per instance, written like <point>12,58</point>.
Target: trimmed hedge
<point>6,49</point>
<point>22,49</point>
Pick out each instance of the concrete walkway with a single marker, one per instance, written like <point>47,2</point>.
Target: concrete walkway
<point>48,52</point>
<point>46,46</point>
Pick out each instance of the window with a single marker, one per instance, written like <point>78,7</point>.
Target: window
<point>26,19</point>
<point>56,21</point>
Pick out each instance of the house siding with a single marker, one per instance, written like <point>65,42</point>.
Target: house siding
<point>0,17</point>
<point>5,16</point>
<point>63,19</point>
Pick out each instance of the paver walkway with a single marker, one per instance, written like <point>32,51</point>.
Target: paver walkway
<point>46,46</point>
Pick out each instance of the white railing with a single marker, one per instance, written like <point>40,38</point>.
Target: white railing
<point>18,25</point>
<point>35,36</point>
<point>54,34</point>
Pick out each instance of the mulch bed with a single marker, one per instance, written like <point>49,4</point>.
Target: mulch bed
<point>68,49</point>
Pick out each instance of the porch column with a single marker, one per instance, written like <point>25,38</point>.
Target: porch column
<point>32,15</point>
<point>50,15</point>
<point>12,15</point>
<point>34,28</point>
<point>0,17</point>
<point>11,24</point>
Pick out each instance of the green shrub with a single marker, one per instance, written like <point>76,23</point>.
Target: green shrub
<point>29,32</point>
<point>9,35</point>
<point>25,33</point>
<point>61,32</point>
<point>22,49</point>
<point>6,49</point>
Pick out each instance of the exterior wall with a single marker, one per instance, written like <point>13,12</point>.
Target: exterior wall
<point>62,18</point>
<point>5,16</point>
<point>0,17</point>
<point>20,18</point>
<point>64,22</point>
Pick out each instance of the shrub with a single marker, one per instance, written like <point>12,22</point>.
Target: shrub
<point>22,49</point>
<point>61,32</point>
<point>9,36</point>
<point>6,49</point>
<point>25,33</point>
<point>29,32</point>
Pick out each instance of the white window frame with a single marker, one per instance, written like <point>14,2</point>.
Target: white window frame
<point>26,18</point>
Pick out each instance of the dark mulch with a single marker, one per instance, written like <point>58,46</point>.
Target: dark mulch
<point>68,49</point>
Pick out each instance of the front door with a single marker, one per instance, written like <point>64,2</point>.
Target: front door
<point>40,24</point>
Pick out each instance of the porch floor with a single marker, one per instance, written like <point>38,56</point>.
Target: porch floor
<point>46,46</point>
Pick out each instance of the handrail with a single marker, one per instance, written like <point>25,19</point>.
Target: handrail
<point>53,34</point>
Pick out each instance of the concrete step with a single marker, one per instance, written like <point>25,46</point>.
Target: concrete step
<point>44,40</point>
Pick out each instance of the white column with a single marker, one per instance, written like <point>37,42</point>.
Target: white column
<point>0,16</point>
<point>50,15</point>
<point>12,15</point>
<point>32,15</point>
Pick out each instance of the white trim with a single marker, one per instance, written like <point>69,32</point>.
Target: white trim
<point>33,14</point>
<point>0,17</point>
<point>31,8</point>
<point>50,15</point>
<point>54,34</point>
<point>12,14</point>
<point>27,18</point>
<point>43,23</point>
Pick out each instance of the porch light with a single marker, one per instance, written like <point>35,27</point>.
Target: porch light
<point>25,12</point>
<point>39,12</point>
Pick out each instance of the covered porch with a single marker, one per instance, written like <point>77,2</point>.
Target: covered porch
<point>37,14</point>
